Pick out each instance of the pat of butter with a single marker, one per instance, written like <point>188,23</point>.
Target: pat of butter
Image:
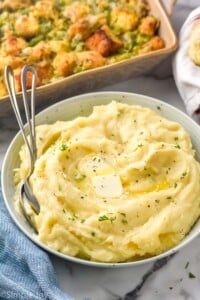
<point>107,185</point>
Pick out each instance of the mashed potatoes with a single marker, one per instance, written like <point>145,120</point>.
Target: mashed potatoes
<point>121,184</point>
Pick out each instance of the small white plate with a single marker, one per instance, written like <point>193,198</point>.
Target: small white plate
<point>82,105</point>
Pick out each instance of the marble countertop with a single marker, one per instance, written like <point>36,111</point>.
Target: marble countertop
<point>176,277</point>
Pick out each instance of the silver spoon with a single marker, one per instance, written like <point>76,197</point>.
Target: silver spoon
<point>26,194</point>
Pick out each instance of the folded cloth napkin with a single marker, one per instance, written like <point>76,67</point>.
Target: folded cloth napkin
<point>26,272</point>
<point>186,73</point>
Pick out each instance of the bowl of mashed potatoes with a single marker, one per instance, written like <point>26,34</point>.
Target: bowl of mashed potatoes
<point>117,177</point>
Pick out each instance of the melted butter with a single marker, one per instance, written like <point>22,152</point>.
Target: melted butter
<point>97,171</point>
<point>105,171</point>
<point>161,185</point>
<point>107,185</point>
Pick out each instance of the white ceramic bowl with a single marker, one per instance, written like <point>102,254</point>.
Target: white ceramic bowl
<point>82,105</point>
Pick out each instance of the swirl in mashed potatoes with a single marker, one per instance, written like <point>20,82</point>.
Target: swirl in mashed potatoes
<point>120,184</point>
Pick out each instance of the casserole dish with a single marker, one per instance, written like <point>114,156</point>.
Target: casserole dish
<point>99,77</point>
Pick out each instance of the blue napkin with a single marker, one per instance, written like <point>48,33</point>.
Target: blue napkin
<point>26,272</point>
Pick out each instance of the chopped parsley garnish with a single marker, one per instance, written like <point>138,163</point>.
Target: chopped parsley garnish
<point>112,219</point>
<point>80,178</point>
<point>103,218</point>
<point>177,146</point>
<point>106,218</point>
<point>191,275</point>
<point>183,175</point>
<point>138,146</point>
<point>124,221</point>
<point>123,214</point>
<point>73,217</point>
<point>63,147</point>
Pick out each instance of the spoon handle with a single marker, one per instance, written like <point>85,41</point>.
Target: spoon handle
<point>29,110</point>
<point>30,116</point>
